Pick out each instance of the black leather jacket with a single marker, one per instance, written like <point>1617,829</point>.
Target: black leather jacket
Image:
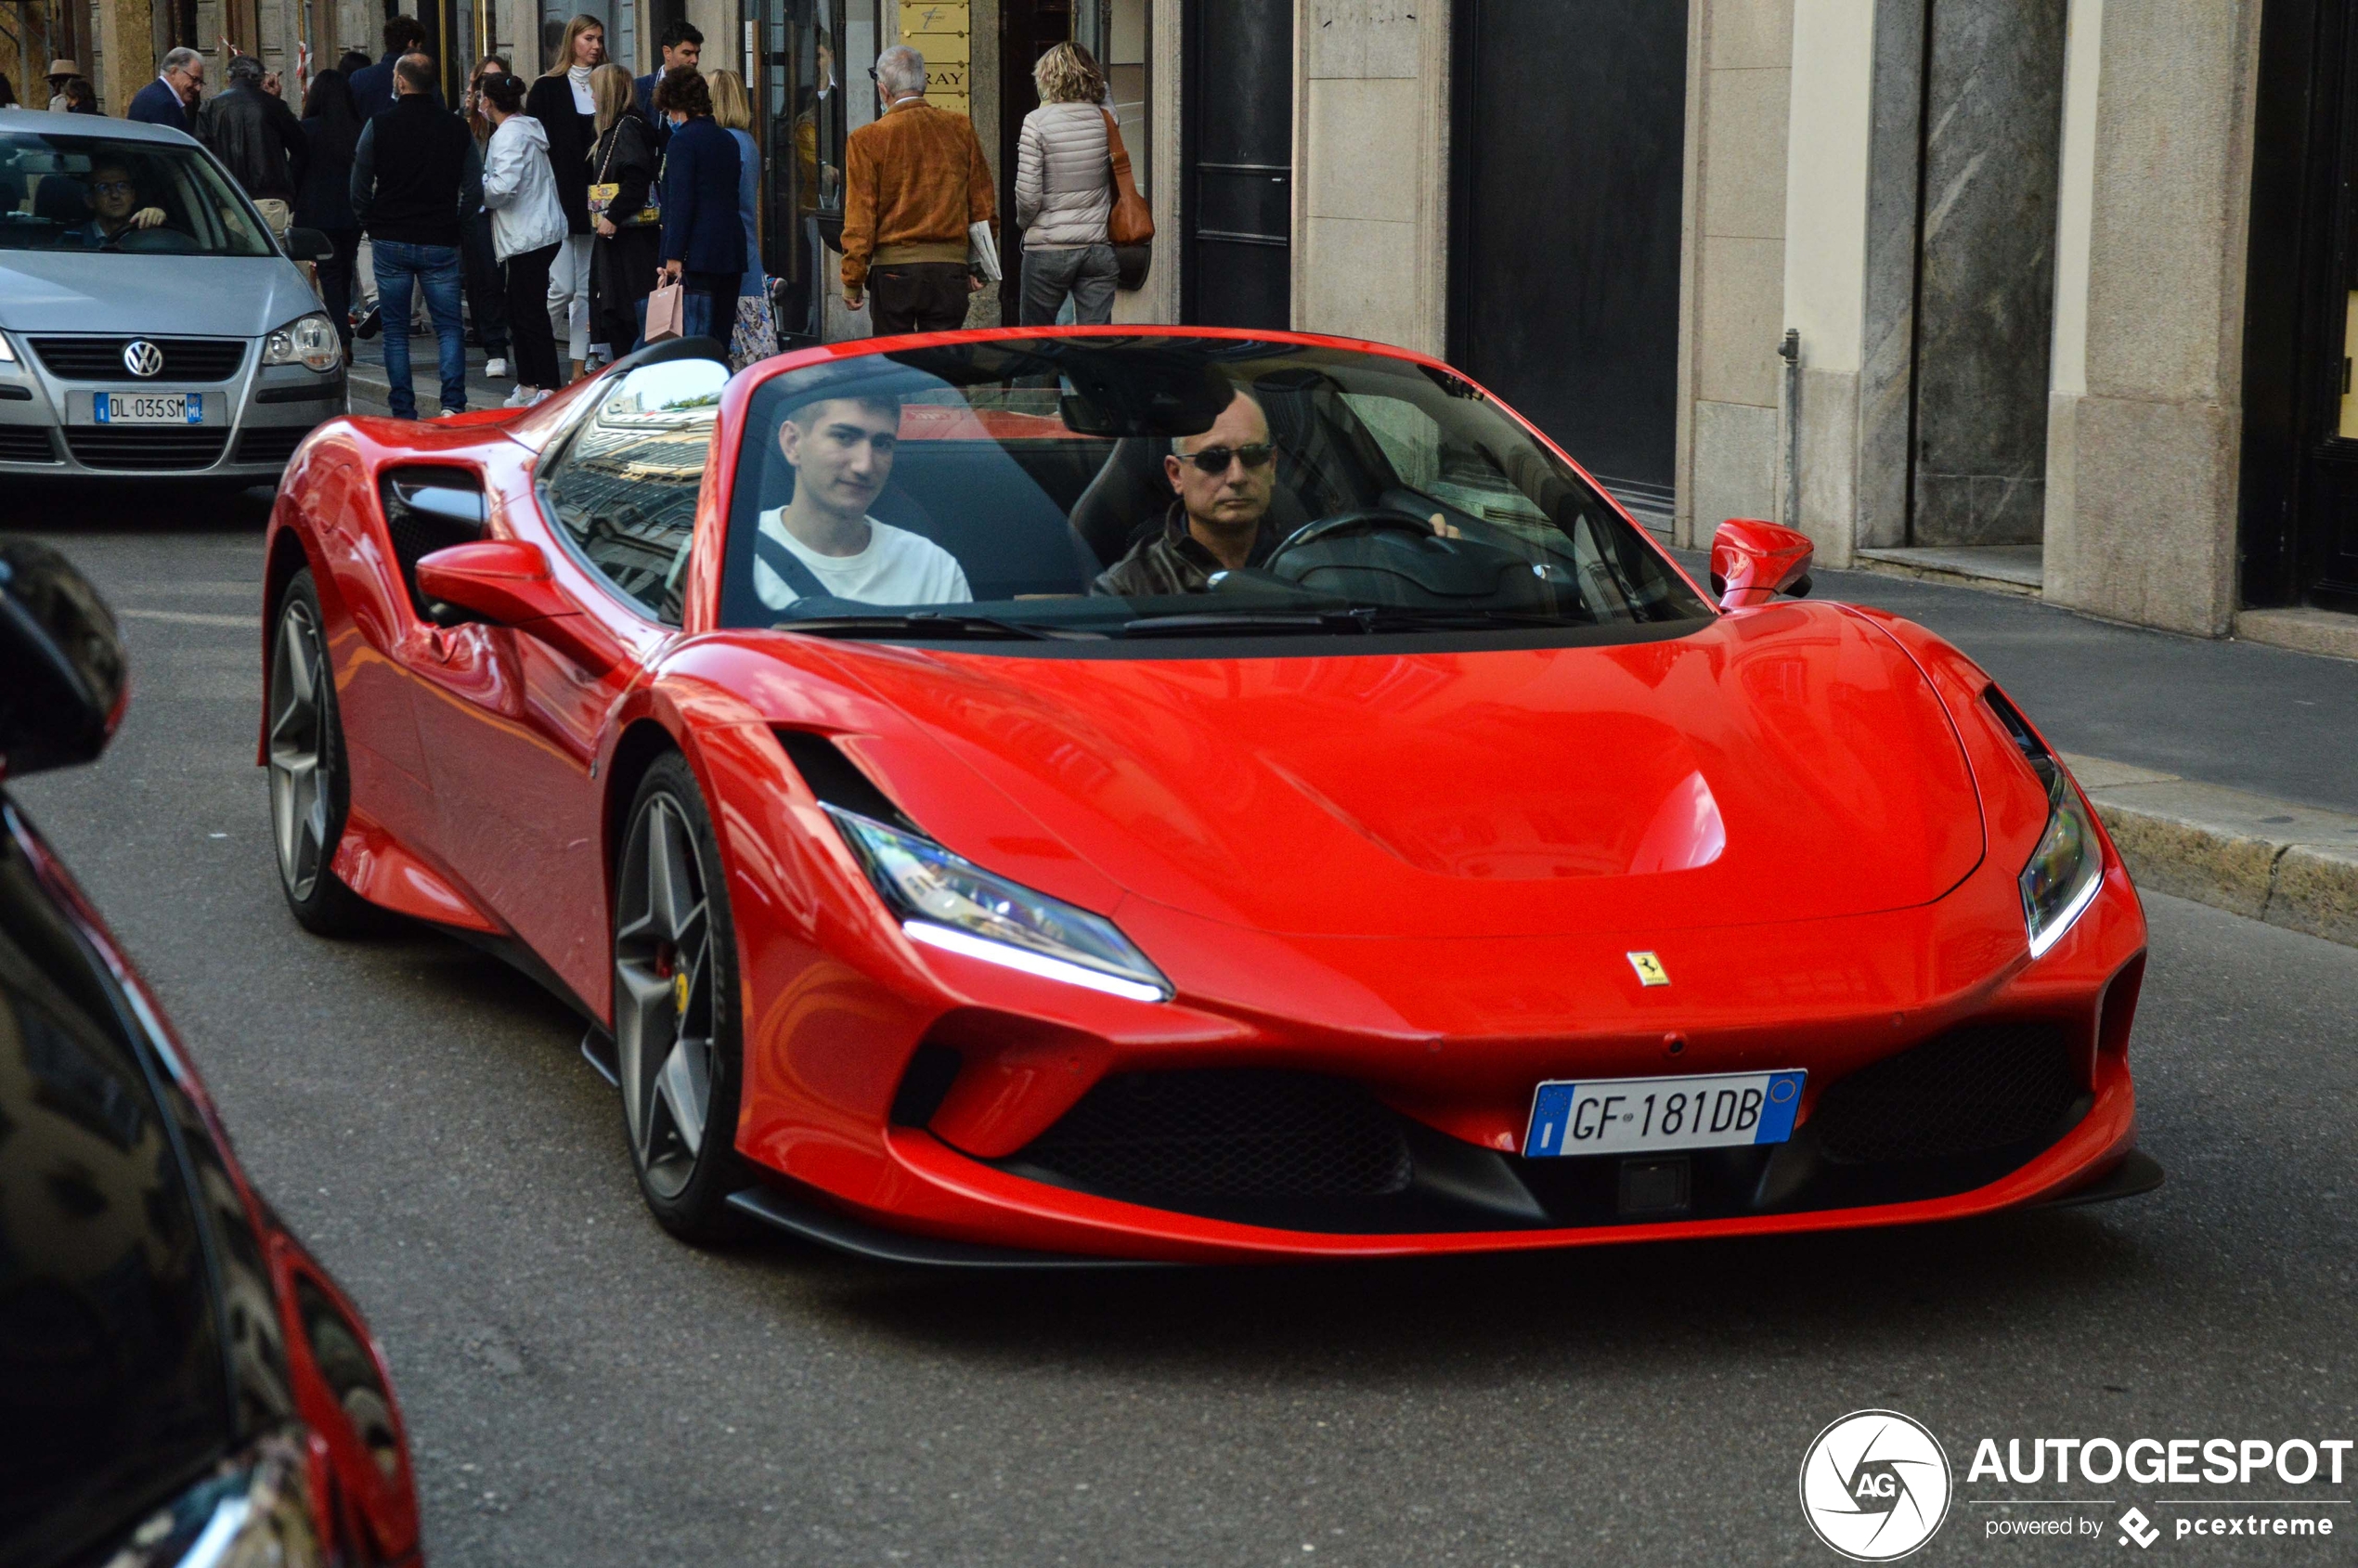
<point>259,138</point>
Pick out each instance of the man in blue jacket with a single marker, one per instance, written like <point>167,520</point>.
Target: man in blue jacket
<point>171,98</point>
<point>703,235</point>
<point>372,89</point>
<point>683,47</point>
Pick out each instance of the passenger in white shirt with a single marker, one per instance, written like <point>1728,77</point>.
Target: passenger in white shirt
<point>841,452</point>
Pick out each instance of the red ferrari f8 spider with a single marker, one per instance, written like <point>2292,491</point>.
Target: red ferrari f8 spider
<point>1184,795</point>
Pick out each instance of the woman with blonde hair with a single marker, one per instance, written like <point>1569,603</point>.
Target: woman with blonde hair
<point>1064,192</point>
<point>487,287</point>
<point>623,165</point>
<point>561,101</point>
<point>755,335</point>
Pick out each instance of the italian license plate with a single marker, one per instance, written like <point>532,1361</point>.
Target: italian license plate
<point>1642,1115</point>
<point>149,407</point>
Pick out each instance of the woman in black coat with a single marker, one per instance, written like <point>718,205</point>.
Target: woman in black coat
<point>623,255</point>
<point>324,202</point>
<point>561,102</point>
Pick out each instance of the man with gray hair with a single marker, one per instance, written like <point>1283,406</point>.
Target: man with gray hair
<point>914,181</point>
<point>259,138</point>
<point>171,98</point>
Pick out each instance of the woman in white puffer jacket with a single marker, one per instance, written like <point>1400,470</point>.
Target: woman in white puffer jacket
<point>528,227</point>
<point>1064,192</point>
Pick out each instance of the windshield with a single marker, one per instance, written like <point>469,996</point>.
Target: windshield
<point>75,193</point>
<point>1163,486</point>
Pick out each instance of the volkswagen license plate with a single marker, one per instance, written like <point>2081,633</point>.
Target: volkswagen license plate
<point>149,407</point>
<point>1642,1115</point>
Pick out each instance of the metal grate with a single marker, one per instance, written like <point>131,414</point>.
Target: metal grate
<point>150,450</point>
<point>1973,1089</point>
<point>100,359</point>
<point>25,443</point>
<point>1226,1133</point>
<point>274,443</point>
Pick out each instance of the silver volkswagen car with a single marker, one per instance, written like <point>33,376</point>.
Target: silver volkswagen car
<point>148,324</point>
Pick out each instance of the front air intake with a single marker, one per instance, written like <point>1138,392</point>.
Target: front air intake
<point>1163,1138</point>
<point>1970,1091</point>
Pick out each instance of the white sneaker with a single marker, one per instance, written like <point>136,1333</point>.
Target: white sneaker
<point>518,398</point>
<point>496,370</point>
<point>540,396</point>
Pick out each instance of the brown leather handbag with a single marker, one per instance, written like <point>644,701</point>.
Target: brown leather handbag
<point>1131,226</point>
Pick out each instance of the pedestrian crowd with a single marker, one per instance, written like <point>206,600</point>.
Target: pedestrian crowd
<point>569,219</point>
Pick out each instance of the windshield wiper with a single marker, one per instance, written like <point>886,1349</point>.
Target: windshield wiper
<point>931,624</point>
<point>1366,619</point>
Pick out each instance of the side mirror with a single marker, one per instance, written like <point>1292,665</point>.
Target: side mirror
<point>1753,562</point>
<point>505,582</point>
<point>309,244</point>
<point>65,680</point>
<point>498,581</point>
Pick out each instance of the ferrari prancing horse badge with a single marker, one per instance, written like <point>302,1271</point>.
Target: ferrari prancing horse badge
<point>1650,969</point>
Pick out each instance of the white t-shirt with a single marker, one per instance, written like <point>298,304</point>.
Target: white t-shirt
<point>898,567</point>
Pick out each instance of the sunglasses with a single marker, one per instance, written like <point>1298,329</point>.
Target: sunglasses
<point>1215,460</point>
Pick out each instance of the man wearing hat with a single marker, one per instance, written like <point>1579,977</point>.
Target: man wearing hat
<point>61,72</point>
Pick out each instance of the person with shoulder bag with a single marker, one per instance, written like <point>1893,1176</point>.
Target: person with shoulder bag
<point>756,334</point>
<point>528,229</point>
<point>624,212</point>
<point>561,102</point>
<point>1062,199</point>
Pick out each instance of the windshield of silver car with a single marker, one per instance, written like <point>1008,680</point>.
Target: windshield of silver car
<point>1149,488</point>
<point>117,195</point>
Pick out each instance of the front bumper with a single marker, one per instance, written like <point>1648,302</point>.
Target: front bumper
<point>959,1160</point>
<point>46,427</point>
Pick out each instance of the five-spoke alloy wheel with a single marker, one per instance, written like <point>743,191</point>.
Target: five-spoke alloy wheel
<point>676,1036</point>
<point>308,788</point>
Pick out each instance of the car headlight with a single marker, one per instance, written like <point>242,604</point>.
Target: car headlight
<point>947,902</point>
<point>2065,869</point>
<point>309,340</point>
<point>7,355</point>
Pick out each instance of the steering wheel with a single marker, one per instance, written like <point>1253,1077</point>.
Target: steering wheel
<point>1358,520</point>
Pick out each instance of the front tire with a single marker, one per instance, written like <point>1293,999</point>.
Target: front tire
<point>310,786</point>
<point>678,1044</point>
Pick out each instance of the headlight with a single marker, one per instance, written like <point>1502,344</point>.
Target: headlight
<point>7,355</point>
<point>2066,868</point>
<point>310,340</point>
<point>946,901</point>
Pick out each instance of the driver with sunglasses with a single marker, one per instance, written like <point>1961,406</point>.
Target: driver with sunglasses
<point>1219,520</point>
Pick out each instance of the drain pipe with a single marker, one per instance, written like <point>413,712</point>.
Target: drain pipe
<point>1790,352</point>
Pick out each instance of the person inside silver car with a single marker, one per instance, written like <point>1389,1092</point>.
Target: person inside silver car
<point>115,206</point>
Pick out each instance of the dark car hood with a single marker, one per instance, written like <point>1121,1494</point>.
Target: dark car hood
<point>1786,764</point>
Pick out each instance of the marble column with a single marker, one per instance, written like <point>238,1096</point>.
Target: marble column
<point>1992,136</point>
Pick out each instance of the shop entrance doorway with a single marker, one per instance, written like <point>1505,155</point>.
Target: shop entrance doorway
<point>1563,262</point>
<point>2299,497</point>
<point>1237,137</point>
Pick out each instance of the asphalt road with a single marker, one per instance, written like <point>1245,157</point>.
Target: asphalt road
<point>581,1390</point>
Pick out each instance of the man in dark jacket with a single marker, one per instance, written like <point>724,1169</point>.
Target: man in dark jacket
<point>171,98</point>
<point>416,177</point>
<point>704,236</point>
<point>258,136</point>
<point>373,88</point>
<point>682,48</point>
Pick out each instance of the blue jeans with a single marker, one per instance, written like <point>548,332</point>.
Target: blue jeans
<point>437,270</point>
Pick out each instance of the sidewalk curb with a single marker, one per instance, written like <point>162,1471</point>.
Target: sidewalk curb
<point>2292,866</point>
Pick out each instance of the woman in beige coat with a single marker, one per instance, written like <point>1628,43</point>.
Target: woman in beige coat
<point>1064,192</point>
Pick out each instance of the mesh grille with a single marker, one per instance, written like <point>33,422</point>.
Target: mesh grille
<point>274,443</point>
<point>25,443</point>
<point>1226,1133</point>
<point>1971,1090</point>
<point>147,449</point>
<point>100,359</point>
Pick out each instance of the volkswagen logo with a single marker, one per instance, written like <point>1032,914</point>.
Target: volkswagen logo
<point>142,357</point>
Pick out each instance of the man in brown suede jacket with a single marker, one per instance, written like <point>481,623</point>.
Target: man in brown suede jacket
<point>912,181</point>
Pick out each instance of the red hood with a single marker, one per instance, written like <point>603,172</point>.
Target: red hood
<point>1784,764</point>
